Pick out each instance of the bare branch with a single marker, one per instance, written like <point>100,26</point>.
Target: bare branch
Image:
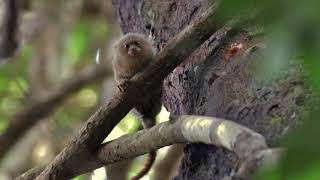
<point>8,28</point>
<point>32,113</point>
<point>247,144</point>
<point>228,134</point>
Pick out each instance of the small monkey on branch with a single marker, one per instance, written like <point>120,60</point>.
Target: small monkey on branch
<point>132,53</point>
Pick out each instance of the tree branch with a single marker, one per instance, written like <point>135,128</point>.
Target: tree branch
<point>69,162</point>
<point>32,113</point>
<point>247,144</point>
<point>106,117</point>
<point>8,28</point>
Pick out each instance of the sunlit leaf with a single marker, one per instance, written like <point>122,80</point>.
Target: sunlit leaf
<point>17,87</point>
<point>312,65</point>
<point>87,98</point>
<point>3,125</point>
<point>129,123</point>
<point>82,177</point>
<point>3,81</point>
<point>9,105</point>
<point>268,174</point>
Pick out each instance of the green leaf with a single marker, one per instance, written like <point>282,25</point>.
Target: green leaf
<point>77,43</point>
<point>3,125</point>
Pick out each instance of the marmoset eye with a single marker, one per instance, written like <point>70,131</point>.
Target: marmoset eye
<point>135,43</point>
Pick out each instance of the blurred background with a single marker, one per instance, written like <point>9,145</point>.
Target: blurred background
<point>60,42</point>
<point>57,41</point>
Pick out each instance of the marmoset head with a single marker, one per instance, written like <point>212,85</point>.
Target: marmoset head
<point>135,45</point>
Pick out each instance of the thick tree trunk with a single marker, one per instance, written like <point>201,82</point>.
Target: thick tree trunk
<point>215,81</point>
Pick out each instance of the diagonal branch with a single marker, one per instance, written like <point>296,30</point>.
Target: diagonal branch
<point>247,144</point>
<point>32,113</point>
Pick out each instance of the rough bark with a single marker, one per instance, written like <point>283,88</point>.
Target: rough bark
<point>67,163</point>
<point>216,83</point>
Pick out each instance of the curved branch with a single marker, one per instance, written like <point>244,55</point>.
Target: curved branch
<point>32,113</point>
<point>247,144</point>
<point>228,134</point>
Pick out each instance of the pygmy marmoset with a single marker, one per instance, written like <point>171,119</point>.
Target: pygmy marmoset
<point>131,54</point>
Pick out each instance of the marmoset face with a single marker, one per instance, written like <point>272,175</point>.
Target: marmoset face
<point>135,45</point>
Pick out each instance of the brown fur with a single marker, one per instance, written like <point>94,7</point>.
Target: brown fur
<point>126,65</point>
